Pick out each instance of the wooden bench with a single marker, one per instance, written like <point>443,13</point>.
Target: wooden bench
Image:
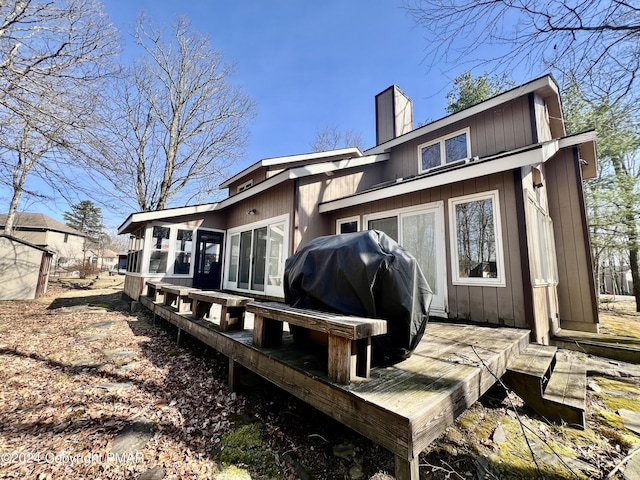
<point>233,307</point>
<point>155,290</point>
<point>178,296</point>
<point>349,337</point>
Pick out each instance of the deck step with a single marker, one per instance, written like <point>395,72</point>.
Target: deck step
<point>567,388</point>
<point>551,382</point>
<point>531,369</point>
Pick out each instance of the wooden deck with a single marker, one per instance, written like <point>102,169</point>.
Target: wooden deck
<point>402,407</point>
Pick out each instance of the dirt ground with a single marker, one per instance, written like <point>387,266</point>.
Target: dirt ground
<point>91,390</point>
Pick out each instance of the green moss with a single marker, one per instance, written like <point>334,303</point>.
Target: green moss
<point>477,424</point>
<point>233,473</point>
<point>616,430</point>
<point>246,446</point>
<point>618,394</point>
<point>616,403</point>
<point>61,378</point>
<point>618,386</point>
<point>513,459</point>
<point>581,438</point>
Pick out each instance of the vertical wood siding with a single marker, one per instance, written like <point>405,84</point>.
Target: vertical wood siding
<point>576,291</point>
<point>495,305</point>
<point>502,129</point>
<point>320,188</point>
<point>271,203</point>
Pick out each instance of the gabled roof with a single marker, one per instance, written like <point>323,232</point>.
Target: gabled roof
<point>288,174</point>
<point>39,222</point>
<point>290,160</point>
<point>545,86</point>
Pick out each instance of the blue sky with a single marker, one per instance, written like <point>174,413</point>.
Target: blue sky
<point>306,65</point>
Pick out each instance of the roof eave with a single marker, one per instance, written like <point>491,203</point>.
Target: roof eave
<point>545,85</point>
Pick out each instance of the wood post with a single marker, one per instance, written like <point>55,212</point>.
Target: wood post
<point>234,375</point>
<point>267,332</point>
<point>407,469</point>
<point>340,364</point>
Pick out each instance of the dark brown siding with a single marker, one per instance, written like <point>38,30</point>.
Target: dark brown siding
<point>576,286</point>
<point>496,305</point>
<point>502,129</point>
<point>271,203</point>
<point>321,188</point>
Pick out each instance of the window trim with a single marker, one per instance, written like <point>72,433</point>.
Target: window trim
<point>443,154</point>
<point>341,221</point>
<point>456,279</point>
<point>173,235</point>
<point>269,290</point>
<point>441,268</point>
<point>244,186</point>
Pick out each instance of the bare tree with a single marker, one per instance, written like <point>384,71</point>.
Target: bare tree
<point>593,40</point>
<point>177,124</point>
<point>331,138</point>
<point>53,56</point>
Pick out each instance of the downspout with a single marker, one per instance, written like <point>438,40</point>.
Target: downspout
<point>523,243</point>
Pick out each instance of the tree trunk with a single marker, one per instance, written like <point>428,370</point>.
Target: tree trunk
<point>11,215</point>
<point>633,264</point>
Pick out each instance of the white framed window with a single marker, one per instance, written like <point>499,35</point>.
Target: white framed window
<point>348,225</point>
<point>476,240</point>
<point>244,186</point>
<point>255,256</point>
<point>444,150</point>
<point>136,251</point>
<point>420,230</point>
<point>542,251</point>
<point>171,250</point>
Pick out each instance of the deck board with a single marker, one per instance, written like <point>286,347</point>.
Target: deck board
<point>402,407</point>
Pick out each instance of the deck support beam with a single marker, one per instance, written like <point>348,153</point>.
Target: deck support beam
<point>234,375</point>
<point>407,469</point>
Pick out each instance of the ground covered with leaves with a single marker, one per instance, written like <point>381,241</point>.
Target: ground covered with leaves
<point>91,390</point>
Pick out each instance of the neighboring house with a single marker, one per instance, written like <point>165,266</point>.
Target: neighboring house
<point>616,279</point>
<point>488,199</point>
<point>24,269</point>
<point>65,242</point>
<point>103,259</point>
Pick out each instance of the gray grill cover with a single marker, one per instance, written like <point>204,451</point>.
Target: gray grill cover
<point>366,274</point>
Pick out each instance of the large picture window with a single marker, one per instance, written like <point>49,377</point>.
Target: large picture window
<point>255,257</point>
<point>136,247</point>
<point>171,250</point>
<point>159,249</point>
<point>444,150</point>
<point>476,240</point>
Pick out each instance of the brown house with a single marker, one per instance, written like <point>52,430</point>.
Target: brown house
<point>66,243</point>
<point>489,199</point>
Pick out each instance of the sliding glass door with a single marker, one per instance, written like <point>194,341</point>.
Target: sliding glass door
<point>420,230</point>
